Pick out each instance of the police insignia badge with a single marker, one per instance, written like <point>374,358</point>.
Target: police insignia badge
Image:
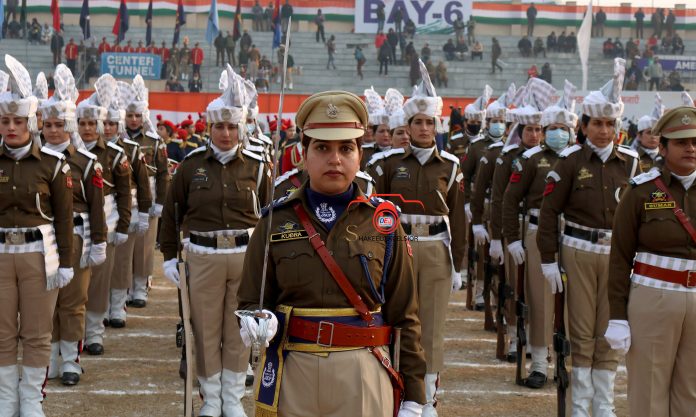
<point>201,175</point>
<point>3,177</point>
<point>226,114</point>
<point>543,163</point>
<point>422,105</point>
<point>658,200</point>
<point>332,111</point>
<point>13,106</point>
<point>402,173</point>
<point>686,120</point>
<point>290,191</point>
<point>584,174</point>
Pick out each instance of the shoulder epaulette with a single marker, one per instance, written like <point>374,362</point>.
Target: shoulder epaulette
<point>286,176</point>
<point>531,152</point>
<point>253,155</point>
<point>276,203</point>
<point>569,150</point>
<point>457,135</point>
<point>114,147</point>
<point>478,138</point>
<point>131,142</point>
<point>368,145</point>
<point>52,153</point>
<point>364,175</point>
<point>628,151</point>
<point>87,153</point>
<point>152,135</point>
<point>256,148</point>
<point>509,148</point>
<point>196,151</point>
<point>376,201</point>
<point>497,144</point>
<point>449,157</point>
<point>384,155</point>
<point>645,177</point>
<point>264,138</point>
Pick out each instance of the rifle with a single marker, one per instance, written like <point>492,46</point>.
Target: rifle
<point>185,311</point>
<point>488,323</point>
<point>504,293</point>
<point>522,313</point>
<point>561,344</point>
<point>471,269</point>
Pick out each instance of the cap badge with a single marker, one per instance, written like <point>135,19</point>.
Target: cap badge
<point>686,120</point>
<point>332,111</point>
<point>422,105</point>
<point>13,106</point>
<point>54,112</point>
<point>608,110</point>
<point>226,114</point>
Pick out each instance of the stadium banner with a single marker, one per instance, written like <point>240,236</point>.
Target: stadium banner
<point>672,63</point>
<point>128,65</point>
<point>430,16</point>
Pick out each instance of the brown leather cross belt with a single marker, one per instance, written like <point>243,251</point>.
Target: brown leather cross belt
<point>333,334</point>
<point>685,278</point>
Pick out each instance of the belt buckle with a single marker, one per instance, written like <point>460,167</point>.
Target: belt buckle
<point>320,329</point>
<point>604,238</point>
<point>691,279</point>
<point>420,229</point>
<point>15,238</point>
<point>225,242</point>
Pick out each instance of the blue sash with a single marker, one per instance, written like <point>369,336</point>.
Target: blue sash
<point>267,391</point>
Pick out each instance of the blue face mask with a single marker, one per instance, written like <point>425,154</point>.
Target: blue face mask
<point>496,129</point>
<point>557,139</point>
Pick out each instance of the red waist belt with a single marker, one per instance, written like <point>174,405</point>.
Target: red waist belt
<point>684,278</point>
<point>333,334</point>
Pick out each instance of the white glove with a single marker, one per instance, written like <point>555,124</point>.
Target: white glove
<point>120,238</point>
<point>171,271</point>
<point>456,281</point>
<point>517,252</point>
<point>553,276</point>
<point>480,234</point>
<point>65,275</point>
<point>143,223</point>
<point>467,211</point>
<point>410,409</point>
<point>156,210</point>
<point>618,335</point>
<point>496,251</point>
<point>97,254</point>
<point>248,325</point>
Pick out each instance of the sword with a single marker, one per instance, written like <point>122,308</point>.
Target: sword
<point>259,336</point>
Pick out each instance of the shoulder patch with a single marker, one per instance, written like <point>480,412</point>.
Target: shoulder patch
<point>198,150</point>
<point>364,175</point>
<point>457,135</point>
<point>645,177</point>
<point>87,153</point>
<point>256,148</point>
<point>531,152</point>
<point>152,135</point>
<point>368,145</point>
<point>628,151</point>
<point>114,147</point>
<point>286,176</point>
<point>52,153</point>
<point>569,150</point>
<point>384,155</point>
<point>253,155</point>
<point>264,138</point>
<point>478,138</point>
<point>280,202</point>
<point>509,148</point>
<point>131,142</point>
<point>450,157</point>
<point>483,160</point>
<point>498,144</point>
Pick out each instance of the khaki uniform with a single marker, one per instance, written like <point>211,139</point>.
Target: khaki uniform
<point>527,183</point>
<point>369,150</point>
<point>292,180</point>
<point>154,151</point>
<point>661,370</point>
<point>586,191</point>
<point>35,198</point>
<point>346,381</point>
<point>458,144</point>
<point>646,161</point>
<point>219,206</point>
<point>117,199</point>
<point>437,185</point>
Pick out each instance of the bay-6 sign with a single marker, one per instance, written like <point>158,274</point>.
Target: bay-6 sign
<point>430,16</point>
<point>128,65</point>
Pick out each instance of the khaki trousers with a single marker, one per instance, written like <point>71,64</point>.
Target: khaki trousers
<point>69,317</point>
<point>213,286</point>
<point>588,308</point>
<point>23,291</point>
<point>662,360</point>
<point>433,269</point>
<point>343,384</point>
<point>144,250</point>
<point>98,292</point>
<point>122,273</point>
<point>539,297</point>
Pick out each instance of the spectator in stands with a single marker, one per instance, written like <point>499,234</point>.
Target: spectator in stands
<point>359,60</point>
<point>652,43</point>
<point>669,23</point>
<point>655,73</point>
<point>195,84</point>
<point>380,38</point>
<point>152,49</point>
<point>46,34</point>
<point>533,72</point>
<point>403,43</point>
<point>675,81</point>
<point>14,29</point>
<point>141,49</point>
<point>129,47</point>
<point>71,55</point>
<point>263,82</point>
<point>430,68</point>
<point>409,52</point>
<point>173,84</point>
<point>219,44</point>
<point>104,47</point>
<point>426,52</point>
<point>631,48</point>
<point>531,19</point>
<point>11,9</point>
<point>291,66</point>
<point>197,57</point>
<point>383,56</point>
<point>525,47</point>
<point>496,51</point>
<point>677,44</point>
<point>458,26</point>
<point>116,47</point>
<point>380,17</point>
<point>331,50</point>
<point>640,18</point>
<point>562,38</point>
<point>477,51</point>
<point>462,48</point>
<point>245,41</point>
<point>449,49</point>
<point>268,17</point>
<point>571,43</point>
<point>546,73</point>
<point>552,42</point>
<point>173,68</point>
<point>618,48</point>
<point>393,41</point>
<point>634,77</point>
<point>257,11</point>
<point>34,35</point>
<point>441,74</point>
<point>666,44</point>
<point>398,17</point>
<point>656,20</point>
<point>56,47</point>
<point>471,30</point>
<point>286,13</point>
<point>539,47</point>
<point>164,54</point>
<point>184,60</point>
<point>414,74</point>
<point>600,20</point>
<point>410,28</point>
<point>253,63</point>
<point>230,43</point>
<point>319,20</point>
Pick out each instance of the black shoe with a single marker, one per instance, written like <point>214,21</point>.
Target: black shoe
<point>182,369</point>
<point>70,378</point>
<point>117,323</point>
<point>511,357</point>
<point>249,380</point>
<point>95,349</point>
<point>106,322</point>
<point>535,380</point>
<point>138,303</point>
<point>479,307</point>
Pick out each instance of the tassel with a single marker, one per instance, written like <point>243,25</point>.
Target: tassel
<point>100,127</point>
<point>33,124</point>
<point>71,125</point>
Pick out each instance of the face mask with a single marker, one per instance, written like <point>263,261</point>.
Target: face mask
<point>496,129</point>
<point>251,127</point>
<point>557,139</point>
<point>473,129</point>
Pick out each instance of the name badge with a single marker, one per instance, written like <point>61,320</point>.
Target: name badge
<point>291,235</point>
